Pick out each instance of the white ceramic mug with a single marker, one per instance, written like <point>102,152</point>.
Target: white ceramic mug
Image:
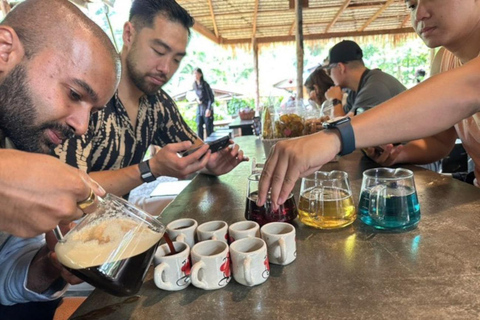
<point>213,230</point>
<point>183,230</point>
<point>250,261</point>
<point>280,240</point>
<point>172,271</point>
<point>243,229</point>
<point>211,265</point>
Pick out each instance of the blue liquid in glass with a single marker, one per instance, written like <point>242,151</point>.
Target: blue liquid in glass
<point>401,209</point>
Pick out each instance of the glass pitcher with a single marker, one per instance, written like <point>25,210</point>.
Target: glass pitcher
<point>286,212</point>
<point>113,247</point>
<point>326,200</point>
<point>388,199</point>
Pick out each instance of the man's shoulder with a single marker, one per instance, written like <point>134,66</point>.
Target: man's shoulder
<point>377,75</point>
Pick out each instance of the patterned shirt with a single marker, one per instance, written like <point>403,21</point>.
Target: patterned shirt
<point>112,143</point>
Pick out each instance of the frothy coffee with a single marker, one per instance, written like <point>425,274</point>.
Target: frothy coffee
<point>101,242</point>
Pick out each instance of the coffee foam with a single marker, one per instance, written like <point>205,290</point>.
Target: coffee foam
<point>108,240</point>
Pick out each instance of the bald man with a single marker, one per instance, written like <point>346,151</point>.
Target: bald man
<point>56,68</point>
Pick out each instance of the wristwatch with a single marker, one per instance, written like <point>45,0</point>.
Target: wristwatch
<point>347,135</point>
<point>336,101</point>
<point>146,173</point>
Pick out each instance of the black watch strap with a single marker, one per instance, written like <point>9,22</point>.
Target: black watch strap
<point>347,137</point>
<point>146,173</point>
<point>336,101</point>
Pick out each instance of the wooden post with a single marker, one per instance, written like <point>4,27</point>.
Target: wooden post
<point>5,7</point>
<point>299,41</point>
<point>256,74</point>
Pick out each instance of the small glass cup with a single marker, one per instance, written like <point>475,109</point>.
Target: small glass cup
<point>388,199</point>
<point>113,247</point>
<point>326,200</point>
<point>286,212</point>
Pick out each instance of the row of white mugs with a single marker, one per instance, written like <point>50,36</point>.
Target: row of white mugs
<point>250,255</point>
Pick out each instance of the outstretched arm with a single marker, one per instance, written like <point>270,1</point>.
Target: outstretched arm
<point>427,109</point>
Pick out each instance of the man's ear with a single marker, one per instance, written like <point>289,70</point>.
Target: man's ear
<point>11,49</point>
<point>128,34</point>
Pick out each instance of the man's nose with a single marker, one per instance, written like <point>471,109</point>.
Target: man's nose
<point>79,121</point>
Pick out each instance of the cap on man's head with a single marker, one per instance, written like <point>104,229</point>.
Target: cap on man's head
<point>344,51</point>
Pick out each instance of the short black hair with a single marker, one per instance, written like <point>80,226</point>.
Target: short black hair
<point>143,12</point>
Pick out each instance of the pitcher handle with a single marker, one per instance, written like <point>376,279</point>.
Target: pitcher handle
<point>377,203</point>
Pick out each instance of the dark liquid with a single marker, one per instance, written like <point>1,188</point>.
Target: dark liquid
<point>401,210</point>
<point>287,212</point>
<point>120,278</point>
<point>170,244</point>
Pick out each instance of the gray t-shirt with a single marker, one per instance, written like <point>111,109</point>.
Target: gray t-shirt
<point>375,87</point>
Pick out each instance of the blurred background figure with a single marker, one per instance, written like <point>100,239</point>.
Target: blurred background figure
<point>317,83</point>
<point>205,103</point>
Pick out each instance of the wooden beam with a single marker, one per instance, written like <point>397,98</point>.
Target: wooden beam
<point>5,7</point>
<point>212,15</point>
<point>404,22</point>
<point>200,28</point>
<point>366,5</point>
<point>375,16</point>
<point>300,51</point>
<point>255,12</point>
<point>292,27</point>
<point>291,3</point>
<point>339,12</point>
<point>320,36</point>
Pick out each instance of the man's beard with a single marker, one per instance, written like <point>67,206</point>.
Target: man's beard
<point>138,79</point>
<point>18,114</point>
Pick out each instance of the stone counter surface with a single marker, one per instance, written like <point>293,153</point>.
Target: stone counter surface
<point>431,272</point>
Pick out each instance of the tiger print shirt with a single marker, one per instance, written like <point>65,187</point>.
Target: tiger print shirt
<point>112,143</point>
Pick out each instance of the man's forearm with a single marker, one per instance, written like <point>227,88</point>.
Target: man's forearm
<point>119,182</point>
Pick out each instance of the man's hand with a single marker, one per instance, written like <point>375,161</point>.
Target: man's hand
<point>38,192</point>
<point>225,160</point>
<point>294,158</point>
<point>167,162</point>
<point>334,93</point>
<point>385,155</point>
<point>208,113</point>
<point>45,268</point>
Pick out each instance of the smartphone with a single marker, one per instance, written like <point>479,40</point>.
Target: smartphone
<point>215,146</point>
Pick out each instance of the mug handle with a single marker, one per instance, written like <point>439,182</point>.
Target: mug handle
<point>283,250</point>
<point>376,207</point>
<point>199,283</point>
<point>181,238</point>
<point>247,271</point>
<point>158,279</point>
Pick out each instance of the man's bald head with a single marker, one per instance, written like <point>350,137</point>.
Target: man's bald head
<point>54,23</point>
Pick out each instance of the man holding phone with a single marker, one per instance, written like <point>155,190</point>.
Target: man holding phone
<point>141,114</point>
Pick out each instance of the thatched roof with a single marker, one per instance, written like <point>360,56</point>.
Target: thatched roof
<point>233,22</point>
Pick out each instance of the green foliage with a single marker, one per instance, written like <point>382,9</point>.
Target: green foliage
<point>236,104</point>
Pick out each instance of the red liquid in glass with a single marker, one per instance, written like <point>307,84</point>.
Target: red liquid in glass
<point>287,212</point>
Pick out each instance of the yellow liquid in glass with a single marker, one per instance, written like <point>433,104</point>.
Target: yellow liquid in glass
<point>329,208</point>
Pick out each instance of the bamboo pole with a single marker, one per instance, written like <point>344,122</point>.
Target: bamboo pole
<point>299,41</point>
<point>256,74</point>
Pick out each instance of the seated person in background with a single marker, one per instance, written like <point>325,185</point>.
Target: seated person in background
<point>368,88</point>
<point>52,56</point>
<point>449,101</point>
<point>141,114</point>
<point>317,84</point>
<point>437,147</point>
